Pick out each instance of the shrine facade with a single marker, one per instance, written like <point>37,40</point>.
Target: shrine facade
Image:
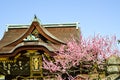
<point>23,46</point>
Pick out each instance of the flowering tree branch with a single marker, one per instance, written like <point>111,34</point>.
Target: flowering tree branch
<point>96,49</point>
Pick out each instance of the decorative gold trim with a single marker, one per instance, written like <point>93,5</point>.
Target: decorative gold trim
<point>17,55</point>
<point>32,51</point>
<point>3,59</point>
<point>6,60</point>
<point>48,56</point>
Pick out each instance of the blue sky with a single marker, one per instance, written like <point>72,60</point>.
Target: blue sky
<point>94,16</point>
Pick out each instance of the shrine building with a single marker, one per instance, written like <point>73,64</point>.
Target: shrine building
<point>22,48</point>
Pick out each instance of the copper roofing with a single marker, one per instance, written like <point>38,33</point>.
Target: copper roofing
<point>56,33</point>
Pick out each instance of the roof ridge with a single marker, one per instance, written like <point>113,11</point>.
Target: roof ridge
<point>44,25</point>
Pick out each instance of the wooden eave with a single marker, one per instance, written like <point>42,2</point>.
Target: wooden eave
<point>20,48</point>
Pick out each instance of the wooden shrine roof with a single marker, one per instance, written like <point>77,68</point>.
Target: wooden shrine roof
<point>57,33</point>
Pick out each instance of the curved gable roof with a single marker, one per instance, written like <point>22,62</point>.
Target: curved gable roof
<point>41,30</point>
<point>53,33</point>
